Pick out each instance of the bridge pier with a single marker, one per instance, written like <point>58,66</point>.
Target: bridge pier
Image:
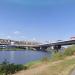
<point>41,48</point>
<point>57,48</point>
<point>36,48</point>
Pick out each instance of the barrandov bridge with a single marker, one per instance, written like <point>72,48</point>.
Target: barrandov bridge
<point>56,46</point>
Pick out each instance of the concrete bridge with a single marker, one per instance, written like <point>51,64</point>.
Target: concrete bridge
<point>56,46</point>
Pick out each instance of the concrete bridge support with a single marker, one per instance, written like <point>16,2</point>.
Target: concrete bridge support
<point>44,48</point>
<point>36,48</point>
<point>57,48</point>
<point>40,48</point>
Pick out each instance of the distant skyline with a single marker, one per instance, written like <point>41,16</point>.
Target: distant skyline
<point>39,20</point>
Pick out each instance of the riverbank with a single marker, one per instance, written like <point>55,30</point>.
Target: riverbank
<point>11,49</point>
<point>60,67</point>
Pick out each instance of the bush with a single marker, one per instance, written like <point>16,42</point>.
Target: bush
<point>57,56</point>
<point>7,68</point>
<point>69,51</point>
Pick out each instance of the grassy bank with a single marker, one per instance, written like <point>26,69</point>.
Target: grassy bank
<point>62,68</point>
<point>34,64</point>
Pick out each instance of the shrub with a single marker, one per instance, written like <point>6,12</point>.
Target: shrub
<point>69,51</point>
<point>57,56</point>
<point>7,68</point>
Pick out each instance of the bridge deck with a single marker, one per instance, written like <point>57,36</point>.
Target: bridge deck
<point>70,42</point>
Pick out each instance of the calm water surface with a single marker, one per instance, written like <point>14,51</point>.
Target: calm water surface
<point>22,57</point>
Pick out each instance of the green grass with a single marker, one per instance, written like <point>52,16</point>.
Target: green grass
<point>69,51</point>
<point>57,56</point>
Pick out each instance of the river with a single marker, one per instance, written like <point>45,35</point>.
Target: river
<point>22,57</point>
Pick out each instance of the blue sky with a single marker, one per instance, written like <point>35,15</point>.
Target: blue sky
<point>39,20</point>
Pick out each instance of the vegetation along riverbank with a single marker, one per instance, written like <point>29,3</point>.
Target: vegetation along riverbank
<point>61,63</point>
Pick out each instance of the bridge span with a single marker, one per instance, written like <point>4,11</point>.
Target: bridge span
<point>56,45</point>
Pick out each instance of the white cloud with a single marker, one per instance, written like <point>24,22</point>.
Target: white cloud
<point>17,32</point>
